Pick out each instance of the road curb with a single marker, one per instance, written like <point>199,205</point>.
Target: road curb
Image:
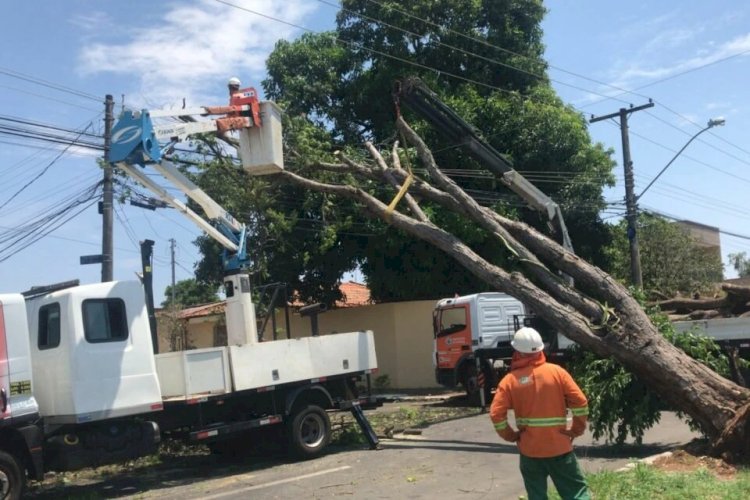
<point>648,461</point>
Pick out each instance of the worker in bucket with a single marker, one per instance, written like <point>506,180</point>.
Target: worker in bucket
<point>540,395</point>
<point>233,85</point>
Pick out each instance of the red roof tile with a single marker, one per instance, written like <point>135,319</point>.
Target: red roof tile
<point>355,295</point>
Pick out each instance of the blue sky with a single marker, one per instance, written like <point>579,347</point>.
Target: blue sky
<point>690,57</point>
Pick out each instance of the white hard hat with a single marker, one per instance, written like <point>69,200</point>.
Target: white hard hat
<point>527,340</point>
<point>234,81</point>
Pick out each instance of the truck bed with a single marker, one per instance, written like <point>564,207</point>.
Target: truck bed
<point>221,370</point>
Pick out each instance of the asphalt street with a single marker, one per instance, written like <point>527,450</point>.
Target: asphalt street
<point>458,459</point>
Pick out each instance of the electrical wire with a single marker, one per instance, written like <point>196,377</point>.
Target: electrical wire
<point>42,96</point>
<point>35,178</point>
<point>44,83</point>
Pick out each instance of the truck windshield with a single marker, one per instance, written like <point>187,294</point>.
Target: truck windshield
<point>451,321</point>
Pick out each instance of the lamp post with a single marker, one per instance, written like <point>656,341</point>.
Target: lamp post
<point>713,122</point>
<point>635,255</point>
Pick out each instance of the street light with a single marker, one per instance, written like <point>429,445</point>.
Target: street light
<point>632,217</point>
<point>713,122</point>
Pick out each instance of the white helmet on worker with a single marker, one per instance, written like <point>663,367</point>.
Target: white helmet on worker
<point>234,82</point>
<point>527,340</point>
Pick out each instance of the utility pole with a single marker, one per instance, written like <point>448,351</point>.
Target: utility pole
<point>636,278</point>
<point>147,254</point>
<point>107,197</point>
<point>171,248</point>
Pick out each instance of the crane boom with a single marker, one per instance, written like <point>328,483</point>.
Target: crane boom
<point>414,93</point>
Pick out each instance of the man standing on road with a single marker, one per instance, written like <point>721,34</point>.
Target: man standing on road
<point>540,395</point>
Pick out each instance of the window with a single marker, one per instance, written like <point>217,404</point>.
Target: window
<point>228,289</point>
<point>49,326</point>
<point>452,320</point>
<point>104,320</point>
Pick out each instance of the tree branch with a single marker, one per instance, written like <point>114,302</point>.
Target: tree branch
<point>469,207</point>
<point>570,321</point>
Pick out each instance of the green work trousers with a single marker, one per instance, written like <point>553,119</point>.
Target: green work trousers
<point>565,473</point>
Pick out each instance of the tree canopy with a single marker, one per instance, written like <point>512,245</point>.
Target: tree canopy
<point>741,263</point>
<point>190,292</point>
<point>672,260</point>
<point>485,60</point>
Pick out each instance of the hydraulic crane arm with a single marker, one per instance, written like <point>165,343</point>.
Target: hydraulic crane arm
<point>415,94</point>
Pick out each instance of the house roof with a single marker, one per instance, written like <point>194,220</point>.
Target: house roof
<point>202,310</point>
<point>355,295</point>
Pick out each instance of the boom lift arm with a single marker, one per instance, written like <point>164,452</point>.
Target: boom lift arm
<point>138,142</point>
<point>414,93</point>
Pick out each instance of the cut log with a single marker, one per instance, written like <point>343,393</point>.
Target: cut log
<point>686,306</point>
<point>696,315</point>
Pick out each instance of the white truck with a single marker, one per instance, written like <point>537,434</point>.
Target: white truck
<point>472,339</point>
<point>81,385</point>
<point>733,336</point>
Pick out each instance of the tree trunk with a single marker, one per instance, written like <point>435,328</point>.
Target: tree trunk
<point>597,312</point>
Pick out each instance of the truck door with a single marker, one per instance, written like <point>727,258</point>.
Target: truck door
<point>4,371</point>
<point>452,335</point>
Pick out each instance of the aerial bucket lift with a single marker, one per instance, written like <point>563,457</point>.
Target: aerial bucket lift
<point>138,142</point>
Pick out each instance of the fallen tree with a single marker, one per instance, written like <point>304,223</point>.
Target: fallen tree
<point>734,302</point>
<point>597,312</point>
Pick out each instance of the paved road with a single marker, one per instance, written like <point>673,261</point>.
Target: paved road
<point>461,459</point>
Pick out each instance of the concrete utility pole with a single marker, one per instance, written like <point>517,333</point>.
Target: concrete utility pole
<point>171,248</point>
<point>107,197</point>
<point>636,278</point>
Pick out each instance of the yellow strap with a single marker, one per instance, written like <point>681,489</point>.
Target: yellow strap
<point>404,186</point>
<point>399,195</point>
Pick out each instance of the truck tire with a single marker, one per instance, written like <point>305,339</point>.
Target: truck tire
<point>309,431</point>
<point>12,477</point>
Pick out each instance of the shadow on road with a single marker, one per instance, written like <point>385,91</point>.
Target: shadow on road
<point>450,445</point>
<point>623,451</point>
<point>179,471</point>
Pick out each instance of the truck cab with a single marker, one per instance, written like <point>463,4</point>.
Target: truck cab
<point>20,437</point>
<point>471,323</point>
<point>472,336</point>
<point>91,352</point>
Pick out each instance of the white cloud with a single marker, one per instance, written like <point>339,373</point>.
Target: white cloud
<point>92,22</point>
<point>639,71</point>
<point>194,48</point>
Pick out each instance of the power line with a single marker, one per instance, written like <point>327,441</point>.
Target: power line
<point>469,53</point>
<point>675,218</point>
<point>502,49</point>
<point>368,49</point>
<point>676,75</point>
<point>24,121</point>
<point>34,179</point>
<point>507,51</point>
<point>691,158</point>
<point>42,96</point>
<point>20,238</point>
<point>44,83</point>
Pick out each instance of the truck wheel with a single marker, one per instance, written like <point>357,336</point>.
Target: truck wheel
<point>469,380</point>
<point>309,432</point>
<point>12,477</point>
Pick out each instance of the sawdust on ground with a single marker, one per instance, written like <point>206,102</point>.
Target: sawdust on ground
<point>693,458</point>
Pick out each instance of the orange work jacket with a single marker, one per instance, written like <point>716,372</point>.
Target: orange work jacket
<point>540,394</point>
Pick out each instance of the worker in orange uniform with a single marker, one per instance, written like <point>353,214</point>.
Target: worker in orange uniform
<point>540,395</point>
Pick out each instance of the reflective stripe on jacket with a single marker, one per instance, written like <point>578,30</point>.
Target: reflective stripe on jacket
<point>540,394</point>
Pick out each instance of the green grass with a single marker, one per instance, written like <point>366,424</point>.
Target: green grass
<point>646,482</point>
